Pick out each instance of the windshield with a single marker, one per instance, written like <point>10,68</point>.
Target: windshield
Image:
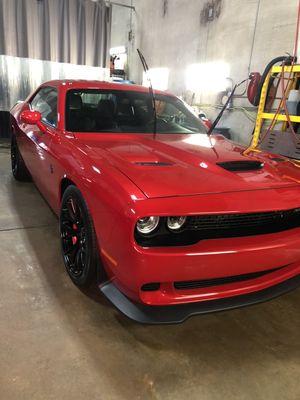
<point>127,111</point>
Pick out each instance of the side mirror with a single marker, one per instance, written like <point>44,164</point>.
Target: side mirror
<point>31,117</point>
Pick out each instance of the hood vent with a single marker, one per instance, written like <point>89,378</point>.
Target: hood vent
<point>236,166</point>
<point>152,163</point>
<point>277,159</point>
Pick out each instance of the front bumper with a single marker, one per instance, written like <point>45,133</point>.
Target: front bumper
<point>179,313</point>
<point>131,267</point>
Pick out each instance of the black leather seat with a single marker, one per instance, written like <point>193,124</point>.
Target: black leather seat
<point>125,114</point>
<point>74,114</point>
<point>106,115</point>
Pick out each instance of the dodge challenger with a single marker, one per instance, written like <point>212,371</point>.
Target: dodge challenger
<point>168,221</point>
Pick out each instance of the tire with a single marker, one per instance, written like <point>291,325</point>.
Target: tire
<point>78,239</point>
<point>18,167</point>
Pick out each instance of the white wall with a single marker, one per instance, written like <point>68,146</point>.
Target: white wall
<point>120,25</point>
<point>123,21</point>
<point>178,39</point>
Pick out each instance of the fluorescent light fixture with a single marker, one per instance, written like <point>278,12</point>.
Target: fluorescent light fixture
<point>159,78</point>
<point>117,50</point>
<point>208,77</point>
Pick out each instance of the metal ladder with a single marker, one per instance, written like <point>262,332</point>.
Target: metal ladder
<point>263,116</point>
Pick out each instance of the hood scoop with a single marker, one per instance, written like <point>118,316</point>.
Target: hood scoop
<point>241,166</point>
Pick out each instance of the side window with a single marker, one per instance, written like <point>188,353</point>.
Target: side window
<point>45,101</point>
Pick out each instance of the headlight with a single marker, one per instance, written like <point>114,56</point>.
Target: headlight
<point>147,225</point>
<point>175,223</point>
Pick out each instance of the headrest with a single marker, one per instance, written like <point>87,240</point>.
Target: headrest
<point>125,108</point>
<point>75,102</point>
<point>106,108</point>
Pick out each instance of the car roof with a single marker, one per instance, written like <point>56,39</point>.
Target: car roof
<point>93,84</point>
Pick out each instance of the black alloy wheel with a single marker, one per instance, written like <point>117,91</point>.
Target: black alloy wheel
<point>78,239</point>
<point>19,170</point>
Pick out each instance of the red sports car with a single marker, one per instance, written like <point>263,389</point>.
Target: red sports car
<point>169,221</point>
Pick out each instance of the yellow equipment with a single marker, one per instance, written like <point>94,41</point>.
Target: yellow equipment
<point>291,74</point>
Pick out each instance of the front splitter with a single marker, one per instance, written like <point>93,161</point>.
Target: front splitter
<point>176,314</point>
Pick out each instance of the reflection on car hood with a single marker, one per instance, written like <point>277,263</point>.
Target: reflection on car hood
<point>165,165</point>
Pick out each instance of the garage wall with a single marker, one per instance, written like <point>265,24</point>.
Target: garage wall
<point>67,31</point>
<point>247,35</point>
<point>121,24</point>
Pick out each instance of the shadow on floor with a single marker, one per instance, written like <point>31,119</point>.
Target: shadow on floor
<point>214,356</point>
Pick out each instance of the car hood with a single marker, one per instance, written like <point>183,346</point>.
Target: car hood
<point>168,165</point>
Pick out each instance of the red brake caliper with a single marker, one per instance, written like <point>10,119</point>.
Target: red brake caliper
<point>74,238</point>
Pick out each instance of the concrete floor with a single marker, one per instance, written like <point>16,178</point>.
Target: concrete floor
<point>59,343</point>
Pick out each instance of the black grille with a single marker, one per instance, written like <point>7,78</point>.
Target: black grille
<point>186,285</point>
<point>218,226</point>
<point>230,225</point>
<point>241,165</point>
<point>150,287</point>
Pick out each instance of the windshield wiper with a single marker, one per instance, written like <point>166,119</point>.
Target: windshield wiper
<point>146,69</point>
<point>216,121</point>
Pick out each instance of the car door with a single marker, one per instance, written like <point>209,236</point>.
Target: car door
<point>36,149</point>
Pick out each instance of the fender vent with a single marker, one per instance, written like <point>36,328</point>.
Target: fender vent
<point>241,165</point>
